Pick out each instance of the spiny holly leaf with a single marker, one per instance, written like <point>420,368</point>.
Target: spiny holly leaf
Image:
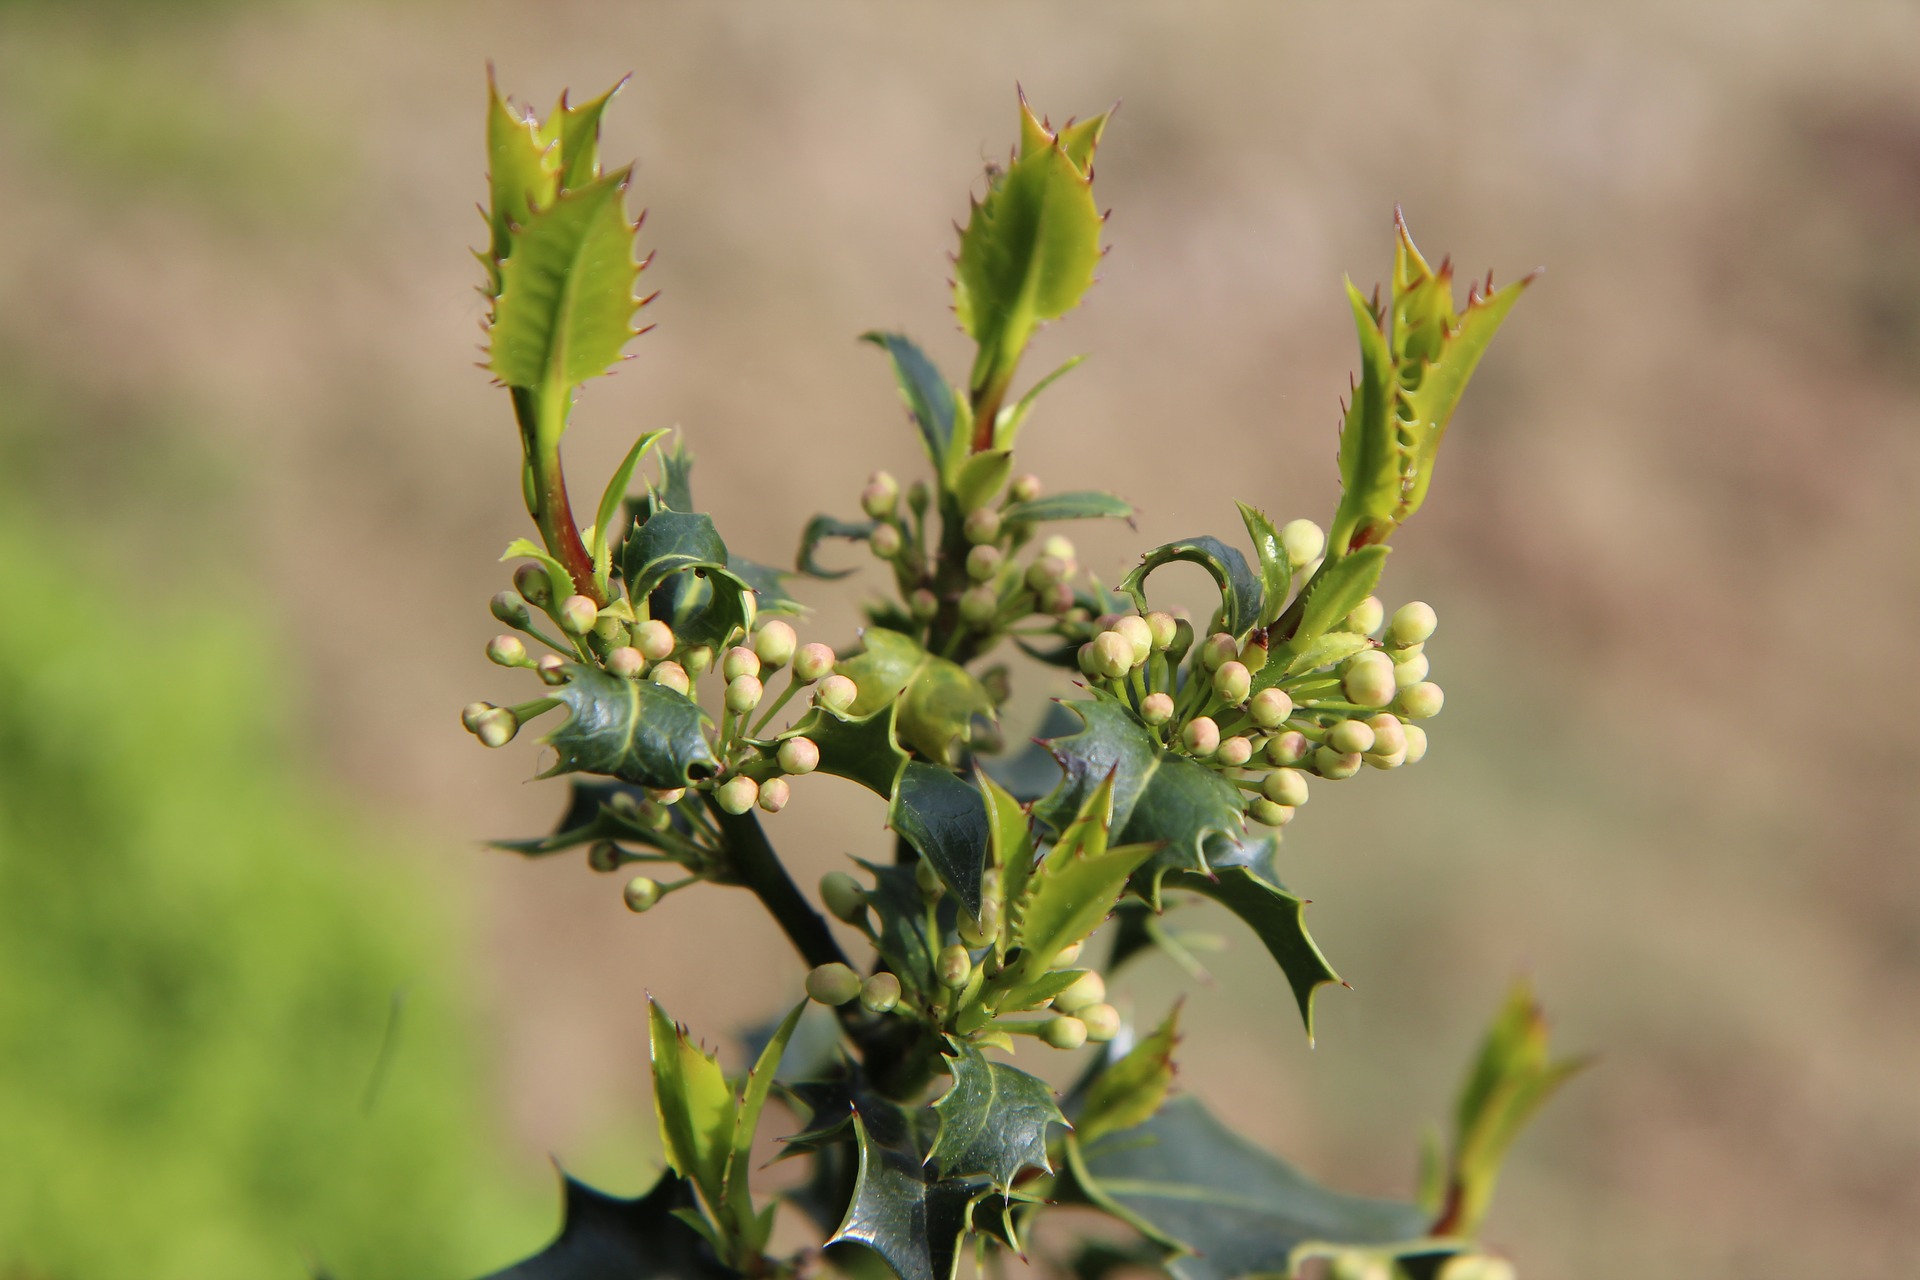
<point>596,810</point>
<point>669,542</point>
<point>861,749</point>
<point>769,587</point>
<point>1159,798</point>
<point>1334,593</point>
<point>1240,590</point>
<point>1371,448</point>
<point>929,397</point>
<point>746,1229</point>
<point>559,581</point>
<point>577,129</point>
<point>704,601</point>
<point>945,820</point>
<point>603,1237</point>
<point>1082,504</point>
<point>1009,837</point>
<point>817,531</point>
<point>566,302</point>
<point>1073,889</point>
<point>1128,1092</point>
<point>902,1210</point>
<point>523,174</point>
<point>938,699</point>
<point>994,1121</point>
<point>1223,1208</point>
<point>1276,568</point>
<point>633,730</point>
<point>696,1107</point>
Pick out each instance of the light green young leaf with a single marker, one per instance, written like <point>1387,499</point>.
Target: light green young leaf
<point>1371,450</point>
<point>559,581</point>
<point>1276,570</point>
<point>938,698</point>
<point>610,497</point>
<point>1009,837</point>
<point>1073,890</point>
<point>1006,431</point>
<point>523,174</point>
<point>1335,592</point>
<point>750,1228</point>
<point>1080,504</point>
<point>696,1106</point>
<point>577,129</point>
<point>980,477</point>
<point>1128,1092</point>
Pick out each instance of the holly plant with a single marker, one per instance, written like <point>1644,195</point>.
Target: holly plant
<point>686,712</point>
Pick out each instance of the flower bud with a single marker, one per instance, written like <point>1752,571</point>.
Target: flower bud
<point>1138,634</point>
<point>1068,956</point>
<point>984,562</point>
<point>510,607</point>
<point>1386,760</point>
<point>609,629</point>
<point>626,662</point>
<point>1045,572</point>
<point>1220,648</point>
<point>1056,600</point>
<point>1088,988</point>
<point>1334,764</point>
<point>471,714</point>
<point>552,669</point>
<point>1231,681</point>
<point>843,897</point>
<point>737,794</point>
<point>812,662</point>
<point>1421,701</point>
<point>1156,709</point>
<point>1064,1032</point>
<point>1102,1022</point>
<point>880,993</point>
<point>928,880</point>
<point>672,675</point>
<point>653,638</point>
<point>1368,681</point>
<point>1025,487</point>
<point>1389,735</point>
<point>743,694</point>
<point>1270,708</point>
<point>1416,742</point>
<point>836,693</point>
<point>1366,616</point>
<point>1234,752</point>
<point>880,496</point>
<point>1285,786</point>
<point>978,605</point>
<point>1289,748</point>
<point>699,661</point>
<point>603,855</point>
<point>886,541</point>
<point>774,794</point>
<point>1413,623</point>
<point>978,931</point>
<point>576,615</point>
<point>798,755</point>
<point>1351,737</point>
<point>1268,814</point>
<point>1302,540</point>
<point>1161,628</point>
<point>954,966</point>
<point>531,581</point>
<point>982,526</point>
<point>641,893</point>
<point>507,651</point>
<point>667,797</point>
<point>1475,1266</point>
<point>1059,548</point>
<point>1253,654</point>
<point>918,497</point>
<point>1359,1266</point>
<point>774,644</point>
<point>833,984</point>
<point>737,662</point>
<point>1112,655</point>
<point>1201,736</point>
<point>1410,670</point>
<point>923,604</point>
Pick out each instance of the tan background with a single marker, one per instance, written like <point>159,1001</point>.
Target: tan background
<point>1672,545</point>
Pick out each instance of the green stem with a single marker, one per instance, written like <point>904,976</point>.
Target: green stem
<point>542,418</point>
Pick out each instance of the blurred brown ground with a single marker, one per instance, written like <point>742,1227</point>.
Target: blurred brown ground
<point>1673,543</point>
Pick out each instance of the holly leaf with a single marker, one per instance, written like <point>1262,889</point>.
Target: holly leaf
<point>603,1237</point>
<point>1276,569</point>
<point>1129,1091</point>
<point>1223,1208</point>
<point>610,501</point>
<point>938,699</point>
<point>596,810</point>
<point>945,820</point>
<point>929,396</point>
<point>1081,504</point>
<point>981,476</point>
<point>818,530</point>
<point>578,131</point>
<point>860,749</point>
<point>769,587</point>
<point>904,940</point>
<point>994,1121</point>
<point>1006,428</point>
<point>1240,590</point>
<point>1159,798</point>
<point>696,1107</point>
<point>1371,447</point>
<point>559,581</point>
<point>633,730</point>
<point>669,542</point>
<point>1074,888</point>
<point>901,1209</point>
<point>1334,593</point>
<point>523,174</point>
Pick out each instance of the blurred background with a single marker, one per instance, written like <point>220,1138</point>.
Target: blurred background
<point>267,1005</point>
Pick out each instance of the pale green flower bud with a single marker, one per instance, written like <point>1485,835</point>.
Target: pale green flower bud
<point>880,993</point>
<point>609,629</point>
<point>929,881</point>
<point>1351,737</point>
<point>799,755</point>
<point>979,604</point>
<point>668,796</point>
<point>922,604</point>
<point>654,639</point>
<point>1389,735</point>
<point>774,794</point>
<point>1359,1266</point>
<point>1045,572</point>
<point>813,662</point>
<point>1253,654</point>
<point>672,675</point>
<point>982,526</point>
<point>1366,616</point>
<point>1267,813</point>
<point>1232,681</point>
<point>1056,600</point>
<point>954,966</point>
<point>1088,988</point>
<point>744,693</point>
<point>1138,634</point>
<point>833,985</point>
<point>1336,765</point>
<point>737,794</point>
<point>1059,548</point>
<point>978,931</point>
<point>984,562</point>
<point>1069,956</point>
<point>507,651</point>
<point>1112,654</point>
<point>881,495</point>
<point>552,669</point>
<point>641,893</point>
<point>836,693</point>
<point>1201,736</point>
<point>1302,540</point>
<point>1413,623</point>
<point>1368,681</point>
<point>739,661</point>
<point>1387,760</point>
<point>510,607</point>
<point>1102,1022</point>
<point>1410,670</point>
<point>1084,657</point>
<point>1285,786</point>
<point>1234,752</point>
<point>576,615</point>
<point>1156,709</point>
<point>1416,742</point>
<point>1162,627</point>
<point>918,497</point>
<point>774,644</point>
<point>626,662</point>
<point>1270,708</point>
<point>470,715</point>
<point>1025,487</point>
<point>1064,1032</point>
<point>1289,748</point>
<point>1220,648</point>
<point>603,855</point>
<point>1421,701</point>
<point>531,581</point>
<point>845,900</point>
<point>886,541</point>
<point>699,661</point>
<point>1473,1266</point>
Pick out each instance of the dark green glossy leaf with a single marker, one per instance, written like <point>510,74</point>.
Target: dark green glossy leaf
<point>1240,591</point>
<point>1225,1208</point>
<point>904,941</point>
<point>596,810</point>
<point>901,1208</point>
<point>676,477</point>
<point>1276,570</point>
<point>943,817</point>
<point>817,531</point>
<point>929,396</point>
<point>861,749</point>
<point>1129,1091</point>
<point>769,587</point>
<point>938,699</point>
<point>994,1121</point>
<point>634,730</point>
<point>669,542</point>
<point>714,608</point>
<point>603,1237</point>
<point>1082,504</point>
